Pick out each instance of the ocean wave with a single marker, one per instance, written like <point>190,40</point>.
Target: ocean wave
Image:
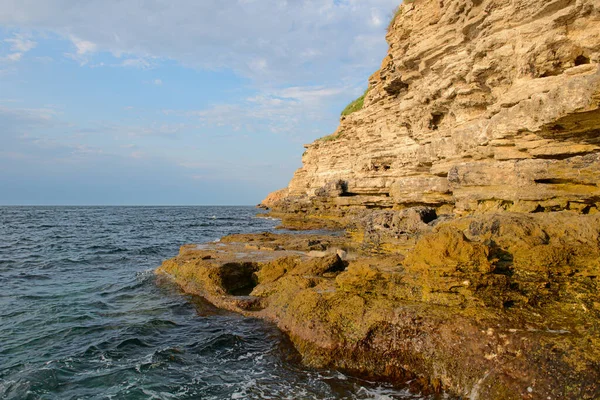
<point>86,317</point>
<point>132,342</point>
<point>150,250</point>
<point>145,275</point>
<point>30,276</point>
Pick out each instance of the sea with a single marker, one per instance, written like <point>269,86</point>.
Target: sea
<point>83,316</point>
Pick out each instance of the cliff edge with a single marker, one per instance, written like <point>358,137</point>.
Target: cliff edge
<point>479,105</point>
<point>466,194</point>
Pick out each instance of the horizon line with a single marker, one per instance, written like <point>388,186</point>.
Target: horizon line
<point>128,205</point>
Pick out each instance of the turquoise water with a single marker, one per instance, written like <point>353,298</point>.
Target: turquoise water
<point>82,316</point>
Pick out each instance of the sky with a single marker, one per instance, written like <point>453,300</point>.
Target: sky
<point>162,102</point>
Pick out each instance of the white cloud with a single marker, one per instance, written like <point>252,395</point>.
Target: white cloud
<point>14,155</point>
<point>140,63</point>
<point>84,46</point>
<point>376,19</point>
<point>29,115</point>
<point>19,45</point>
<point>14,57</point>
<point>148,128</point>
<point>274,42</point>
<point>44,59</point>
<point>310,94</point>
<point>289,110</point>
<point>258,65</point>
<point>84,49</point>
<point>158,82</point>
<point>310,53</point>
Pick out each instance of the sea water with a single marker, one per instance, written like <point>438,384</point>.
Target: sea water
<point>82,315</point>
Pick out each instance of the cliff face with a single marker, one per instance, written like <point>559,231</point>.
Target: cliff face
<point>484,114</point>
<point>479,105</point>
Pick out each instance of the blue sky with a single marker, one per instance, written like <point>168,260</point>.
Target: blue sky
<point>162,102</point>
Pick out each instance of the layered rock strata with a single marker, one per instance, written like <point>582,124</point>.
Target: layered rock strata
<point>495,306</point>
<point>478,105</point>
<point>467,188</point>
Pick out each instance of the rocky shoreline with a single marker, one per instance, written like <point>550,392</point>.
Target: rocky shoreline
<point>465,194</point>
<point>496,306</point>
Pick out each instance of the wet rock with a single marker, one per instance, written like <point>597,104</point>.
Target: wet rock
<point>480,306</point>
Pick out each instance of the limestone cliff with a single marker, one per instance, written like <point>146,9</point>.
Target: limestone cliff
<point>479,105</point>
<point>468,191</point>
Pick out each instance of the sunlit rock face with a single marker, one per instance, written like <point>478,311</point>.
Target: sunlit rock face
<point>467,188</point>
<point>499,306</point>
<point>479,105</point>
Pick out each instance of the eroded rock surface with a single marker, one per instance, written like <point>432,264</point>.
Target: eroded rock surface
<point>479,104</point>
<point>493,306</point>
<point>468,191</point>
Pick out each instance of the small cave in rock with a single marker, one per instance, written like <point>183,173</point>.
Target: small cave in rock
<point>238,279</point>
<point>381,167</point>
<point>508,304</point>
<point>395,87</point>
<point>428,215</point>
<point>586,210</point>
<point>551,181</point>
<point>435,120</point>
<point>342,186</point>
<point>581,60</point>
<point>559,181</point>
<point>539,209</point>
<point>504,260</point>
<point>333,189</point>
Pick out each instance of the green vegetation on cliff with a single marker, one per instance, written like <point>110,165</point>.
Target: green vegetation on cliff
<point>355,105</point>
<point>329,138</point>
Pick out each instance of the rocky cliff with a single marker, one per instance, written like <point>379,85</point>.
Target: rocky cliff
<point>467,191</point>
<point>479,105</point>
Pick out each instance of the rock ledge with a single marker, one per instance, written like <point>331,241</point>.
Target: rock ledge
<point>495,306</point>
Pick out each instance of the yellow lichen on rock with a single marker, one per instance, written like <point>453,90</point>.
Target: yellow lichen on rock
<point>511,293</point>
<point>448,251</point>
